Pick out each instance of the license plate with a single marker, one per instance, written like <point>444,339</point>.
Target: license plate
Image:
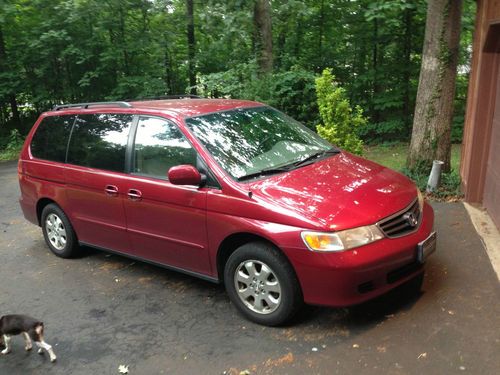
<point>426,247</point>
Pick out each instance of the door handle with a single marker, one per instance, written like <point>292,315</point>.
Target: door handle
<point>111,190</point>
<point>134,194</point>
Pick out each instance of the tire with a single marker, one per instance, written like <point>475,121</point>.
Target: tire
<point>262,284</point>
<point>58,232</point>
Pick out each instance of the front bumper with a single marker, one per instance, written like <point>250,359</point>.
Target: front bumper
<point>354,276</point>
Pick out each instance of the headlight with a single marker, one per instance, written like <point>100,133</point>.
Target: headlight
<point>343,240</point>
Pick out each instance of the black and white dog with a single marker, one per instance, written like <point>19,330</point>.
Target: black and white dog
<point>31,329</point>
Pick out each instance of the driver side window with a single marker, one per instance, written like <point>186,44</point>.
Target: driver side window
<point>160,145</point>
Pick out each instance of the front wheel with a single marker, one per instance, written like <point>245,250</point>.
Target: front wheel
<point>262,284</point>
<point>58,232</point>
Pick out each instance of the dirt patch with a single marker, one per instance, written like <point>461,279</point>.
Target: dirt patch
<point>109,266</point>
<point>145,280</point>
<point>287,358</point>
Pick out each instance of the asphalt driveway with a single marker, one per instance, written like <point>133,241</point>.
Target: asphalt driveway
<point>102,311</point>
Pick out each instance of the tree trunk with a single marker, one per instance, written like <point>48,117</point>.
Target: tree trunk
<point>321,31</point>
<point>126,60</point>
<point>298,36</point>
<point>191,46</point>
<point>16,120</point>
<point>375,114</point>
<point>167,64</point>
<point>431,136</point>
<point>407,18</point>
<point>3,53</point>
<point>262,21</point>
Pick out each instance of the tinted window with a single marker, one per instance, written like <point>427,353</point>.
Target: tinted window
<point>160,145</point>
<point>100,141</point>
<point>51,138</point>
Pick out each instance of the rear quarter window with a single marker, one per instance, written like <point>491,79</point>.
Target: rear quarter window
<point>100,141</point>
<point>51,138</point>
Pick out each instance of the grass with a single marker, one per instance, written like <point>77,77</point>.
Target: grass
<point>394,156</point>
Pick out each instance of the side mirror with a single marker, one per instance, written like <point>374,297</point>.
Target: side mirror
<point>185,175</point>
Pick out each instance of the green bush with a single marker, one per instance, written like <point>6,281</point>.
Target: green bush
<point>13,146</point>
<point>449,185</point>
<point>340,122</point>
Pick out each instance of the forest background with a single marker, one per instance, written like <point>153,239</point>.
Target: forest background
<point>63,51</point>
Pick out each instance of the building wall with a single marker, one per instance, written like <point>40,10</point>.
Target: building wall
<point>480,170</point>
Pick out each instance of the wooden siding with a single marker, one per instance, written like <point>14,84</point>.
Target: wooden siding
<point>480,162</point>
<point>492,181</point>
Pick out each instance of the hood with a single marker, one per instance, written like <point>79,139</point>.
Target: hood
<point>340,192</point>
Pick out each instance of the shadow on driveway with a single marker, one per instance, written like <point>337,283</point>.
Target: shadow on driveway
<point>102,311</point>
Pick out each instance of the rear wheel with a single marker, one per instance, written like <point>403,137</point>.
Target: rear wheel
<point>58,232</point>
<point>262,284</point>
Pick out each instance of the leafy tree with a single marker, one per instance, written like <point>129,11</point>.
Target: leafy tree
<point>340,121</point>
<point>60,51</point>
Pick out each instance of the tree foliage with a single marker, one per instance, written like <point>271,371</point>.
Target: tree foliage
<point>340,123</point>
<point>60,51</point>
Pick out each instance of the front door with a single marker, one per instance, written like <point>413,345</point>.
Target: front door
<point>166,223</point>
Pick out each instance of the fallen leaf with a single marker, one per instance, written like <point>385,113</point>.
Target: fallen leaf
<point>355,346</point>
<point>314,349</point>
<point>122,369</point>
<point>422,355</point>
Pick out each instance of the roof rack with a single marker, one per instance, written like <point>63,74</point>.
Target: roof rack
<point>180,96</point>
<point>87,105</point>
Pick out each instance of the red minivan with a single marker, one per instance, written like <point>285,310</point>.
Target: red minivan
<point>230,191</point>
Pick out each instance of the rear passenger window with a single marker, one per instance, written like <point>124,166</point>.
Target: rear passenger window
<point>51,138</point>
<point>160,145</point>
<point>100,141</point>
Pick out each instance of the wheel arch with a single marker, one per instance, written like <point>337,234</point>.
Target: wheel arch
<point>234,241</point>
<point>40,205</point>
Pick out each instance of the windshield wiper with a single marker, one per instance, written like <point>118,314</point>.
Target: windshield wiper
<point>290,166</point>
<point>264,172</point>
<point>310,158</point>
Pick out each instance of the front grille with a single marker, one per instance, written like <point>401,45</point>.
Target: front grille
<point>402,223</point>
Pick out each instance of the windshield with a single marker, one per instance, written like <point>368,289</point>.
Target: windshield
<point>246,141</point>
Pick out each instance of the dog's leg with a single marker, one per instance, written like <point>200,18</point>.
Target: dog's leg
<point>43,345</point>
<point>6,340</point>
<point>27,339</point>
<point>37,336</point>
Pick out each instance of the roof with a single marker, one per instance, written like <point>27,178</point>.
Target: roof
<point>181,107</point>
<point>194,107</point>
